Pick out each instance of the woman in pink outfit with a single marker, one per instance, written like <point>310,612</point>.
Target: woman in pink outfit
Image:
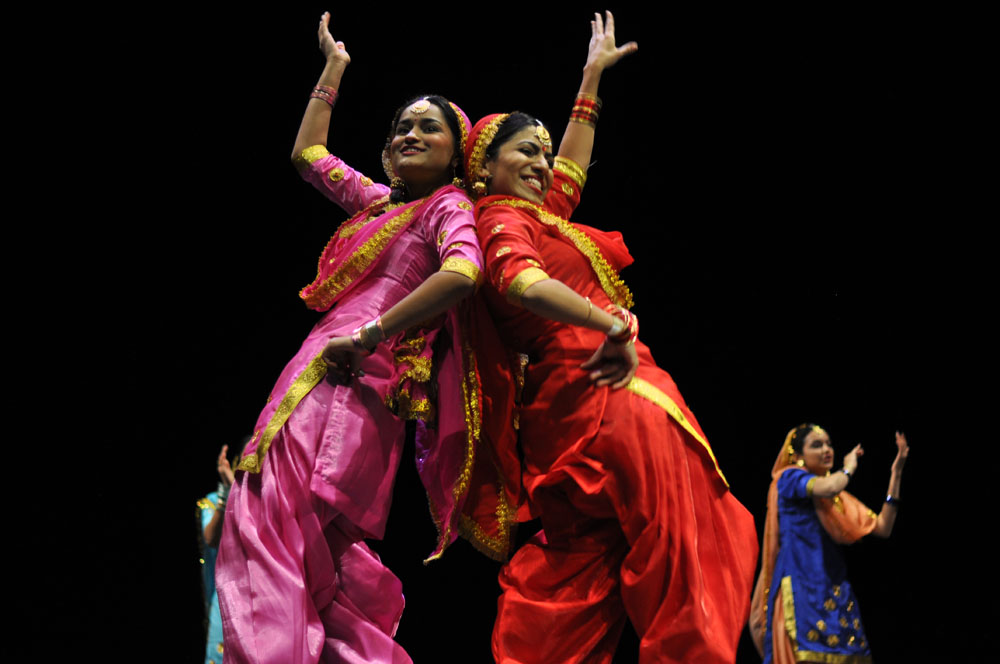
<point>295,579</point>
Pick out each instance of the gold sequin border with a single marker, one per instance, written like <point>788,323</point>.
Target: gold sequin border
<point>473,422</point>
<point>651,392</point>
<point>462,266</point>
<point>309,155</point>
<point>572,170</point>
<point>610,281</point>
<point>525,278</point>
<point>354,266</point>
<point>478,154</point>
<point>308,379</point>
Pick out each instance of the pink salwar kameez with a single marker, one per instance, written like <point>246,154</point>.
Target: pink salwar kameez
<point>295,579</point>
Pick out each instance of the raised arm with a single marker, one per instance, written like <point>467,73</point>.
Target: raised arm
<point>887,516</point>
<point>578,141</point>
<point>315,125</point>
<point>834,483</point>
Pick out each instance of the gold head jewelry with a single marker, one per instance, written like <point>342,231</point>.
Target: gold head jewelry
<point>420,106</point>
<point>543,137</point>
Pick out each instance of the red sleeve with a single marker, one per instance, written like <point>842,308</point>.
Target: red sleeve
<point>507,237</point>
<point>567,184</point>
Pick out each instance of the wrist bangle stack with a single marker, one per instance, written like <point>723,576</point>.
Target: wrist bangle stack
<point>586,109</point>
<point>369,335</point>
<point>590,310</point>
<point>625,328</point>
<point>325,93</point>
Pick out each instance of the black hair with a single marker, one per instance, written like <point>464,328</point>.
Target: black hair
<point>513,124</point>
<point>799,434</point>
<point>454,123</point>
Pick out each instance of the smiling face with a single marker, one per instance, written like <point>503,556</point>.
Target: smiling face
<point>422,149</point>
<point>817,452</point>
<point>522,168</point>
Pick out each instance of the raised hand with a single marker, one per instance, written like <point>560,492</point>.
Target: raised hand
<point>851,460</point>
<point>902,451</point>
<point>603,52</point>
<point>225,470</point>
<point>332,49</point>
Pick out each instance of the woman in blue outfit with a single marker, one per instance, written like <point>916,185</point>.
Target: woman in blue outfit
<point>803,608</point>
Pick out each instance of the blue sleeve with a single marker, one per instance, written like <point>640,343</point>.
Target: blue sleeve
<point>794,484</point>
<point>207,507</point>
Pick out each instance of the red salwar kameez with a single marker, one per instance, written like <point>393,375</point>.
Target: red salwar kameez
<point>637,517</point>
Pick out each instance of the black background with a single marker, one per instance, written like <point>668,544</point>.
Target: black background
<point>782,178</point>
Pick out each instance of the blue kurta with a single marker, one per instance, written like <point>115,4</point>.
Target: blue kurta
<point>213,650</point>
<point>821,615</point>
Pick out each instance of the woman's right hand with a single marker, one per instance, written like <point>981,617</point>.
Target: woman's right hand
<point>851,460</point>
<point>614,364</point>
<point>333,50</point>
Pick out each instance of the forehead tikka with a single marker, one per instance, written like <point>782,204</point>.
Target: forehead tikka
<point>420,106</point>
<point>542,134</point>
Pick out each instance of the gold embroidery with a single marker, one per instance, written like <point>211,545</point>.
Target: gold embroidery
<point>503,271</point>
<point>496,229</point>
<point>219,648</point>
<point>843,622</point>
<point>788,602</point>
<point>470,399</point>
<point>810,485</point>
<point>442,236</point>
<point>567,188</point>
<point>832,640</point>
<point>572,170</point>
<point>308,379</point>
<point>836,591</point>
<point>376,209</point>
<point>310,155</point>
<point>455,245</point>
<point>652,393</point>
<point>336,175</point>
<point>813,635</point>
<point>610,281</point>
<point>366,181</point>
<point>494,547</point>
<point>850,640</point>
<point>462,266</point>
<point>532,261</point>
<point>465,205</point>
<point>478,154</point>
<point>206,504</point>
<point>857,623</point>
<point>525,278</point>
<point>829,604</point>
<point>503,251</point>
<point>352,267</point>
<point>837,504</point>
<point>850,606</point>
<point>821,625</point>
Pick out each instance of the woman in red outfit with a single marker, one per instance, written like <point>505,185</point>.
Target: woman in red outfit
<point>637,519</point>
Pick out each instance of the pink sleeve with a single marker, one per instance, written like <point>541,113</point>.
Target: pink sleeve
<point>451,225</point>
<point>343,185</point>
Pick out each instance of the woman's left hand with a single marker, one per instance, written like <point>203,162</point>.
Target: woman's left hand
<point>615,364</point>
<point>603,53</point>
<point>342,360</point>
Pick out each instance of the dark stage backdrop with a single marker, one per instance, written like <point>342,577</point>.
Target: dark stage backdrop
<point>771,173</point>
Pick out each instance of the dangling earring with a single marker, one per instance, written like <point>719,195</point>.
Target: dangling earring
<point>800,463</point>
<point>479,187</point>
<point>457,181</point>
